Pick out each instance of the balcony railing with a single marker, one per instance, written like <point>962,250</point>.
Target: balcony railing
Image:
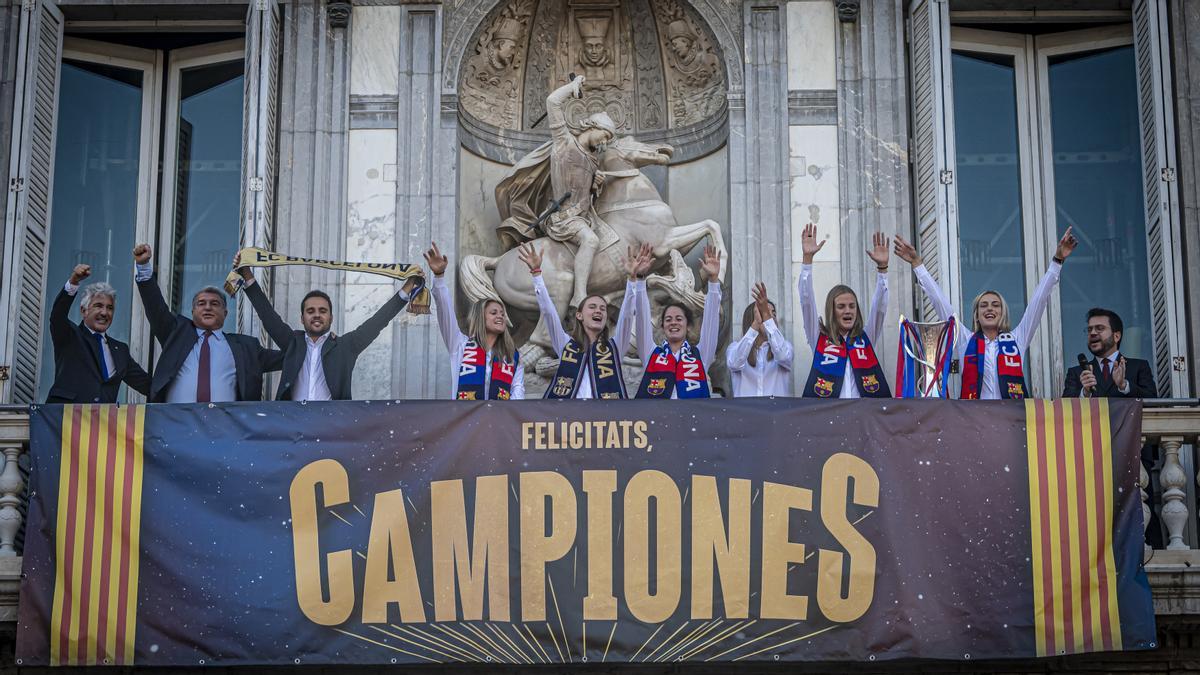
<point>1171,424</point>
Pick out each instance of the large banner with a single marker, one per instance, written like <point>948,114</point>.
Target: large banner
<point>582,531</point>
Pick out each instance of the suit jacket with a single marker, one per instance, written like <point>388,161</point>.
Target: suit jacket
<point>338,354</point>
<point>77,377</point>
<point>1137,373</point>
<point>177,335</point>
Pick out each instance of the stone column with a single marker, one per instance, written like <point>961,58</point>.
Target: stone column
<point>1174,482</point>
<point>1185,55</point>
<point>759,206</point>
<point>873,147</point>
<point>426,167</point>
<point>313,120</point>
<point>12,487</point>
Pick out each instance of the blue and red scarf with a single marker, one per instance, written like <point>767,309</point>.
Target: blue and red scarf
<point>829,369</point>
<point>471,375</point>
<point>665,373</point>
<point>1009,370</point>
<point>604,369</point>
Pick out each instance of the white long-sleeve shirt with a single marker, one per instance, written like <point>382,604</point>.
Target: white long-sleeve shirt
<point>559,337</point>
<point>770,377</point>
<point>1023,333</point>
<point>456,340</point>
<point>872,326</point>
<point>710,325</point>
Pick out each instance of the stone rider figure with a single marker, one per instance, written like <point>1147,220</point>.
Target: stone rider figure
<point>574,168</point>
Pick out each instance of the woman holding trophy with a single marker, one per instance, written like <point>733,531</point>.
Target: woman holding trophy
<point>844,361</point>
<point>992,350</point>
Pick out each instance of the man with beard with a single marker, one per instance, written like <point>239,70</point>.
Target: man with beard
<point>1110,373</point>
<point>317,364</point>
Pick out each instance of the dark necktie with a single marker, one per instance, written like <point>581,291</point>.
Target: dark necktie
<point>1104,366</point>
<point>100,348</point>
<point>203,384</point>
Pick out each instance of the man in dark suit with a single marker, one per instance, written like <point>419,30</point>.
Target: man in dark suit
<point>1110,374</point>
<point>89,365</point>
<point>199,361</point>
<point>317,364</point>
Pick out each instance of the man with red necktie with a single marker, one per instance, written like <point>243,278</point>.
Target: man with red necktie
<point>200,363</point>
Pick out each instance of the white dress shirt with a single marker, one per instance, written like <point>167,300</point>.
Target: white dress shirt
<point>456,340</point>
<point>872,326</point>
<point>310,381</point>
<point>71,290</point>
<point>559,337</point>
<point>769,377</point>
<point>709,325</point>
<point>1022,334</point>
<point>1099,372</point>
<point>222,372</point>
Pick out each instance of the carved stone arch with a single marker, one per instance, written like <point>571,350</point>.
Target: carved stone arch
<point>462,24</point>
<point>659,68</point>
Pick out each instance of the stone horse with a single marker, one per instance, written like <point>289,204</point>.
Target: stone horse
<point>634,213</point>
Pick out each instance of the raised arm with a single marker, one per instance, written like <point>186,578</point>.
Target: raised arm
<point>625,317</point>
<point>941,304</point>
<point>278,330</point>
<point>532,258</point>
<point>360,338</point>
<point>879,299</point>
<point>60,311</point>
<point>710,324</point>
<point>162,319</point>
<point>554,105</point>
<point>808,298</point>
<point>780,346</point>
<point>443,298</point>
<point>1032,317</point>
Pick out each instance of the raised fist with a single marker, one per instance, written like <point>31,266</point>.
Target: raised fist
<point>142,253</point>
<point>80,273</point>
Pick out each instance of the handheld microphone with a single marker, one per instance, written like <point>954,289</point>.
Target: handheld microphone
<point>1084,365</point>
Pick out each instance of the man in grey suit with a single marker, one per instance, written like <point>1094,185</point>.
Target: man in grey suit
<point>318,364</point>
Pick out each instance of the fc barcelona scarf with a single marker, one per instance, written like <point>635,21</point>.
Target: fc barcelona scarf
<point>603,369</point>
<point>1009,370</point>
<point>471,375</point>
<point>665,373</point>
<point>914,360</point>
<point>829,369</point>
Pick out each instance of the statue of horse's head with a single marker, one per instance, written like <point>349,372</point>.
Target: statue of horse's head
<point>628,153</point>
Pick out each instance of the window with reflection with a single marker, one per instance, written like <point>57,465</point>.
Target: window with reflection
<point>1097,189</point>
<point>988,179</point>
<point>95,196</point>
<point>208,147</point>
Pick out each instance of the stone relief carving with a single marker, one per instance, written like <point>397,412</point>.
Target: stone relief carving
<point>694,81</point>
<point>652,65</point>
<point>492,80</point>
<point>651,101</point>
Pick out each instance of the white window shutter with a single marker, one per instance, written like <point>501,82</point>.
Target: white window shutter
<point>259,163</point>
<point>933,146</point>
<point>1161,194</point>
<point>27,218</point>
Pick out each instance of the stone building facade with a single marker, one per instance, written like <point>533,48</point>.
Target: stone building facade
<point>363,130</point>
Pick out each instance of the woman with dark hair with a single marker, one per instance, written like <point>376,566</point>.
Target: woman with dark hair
<point>844,360</point>
<point>589,358</point>
<point>484,361</point>
<point>676,368</point>
<point>760,364</point>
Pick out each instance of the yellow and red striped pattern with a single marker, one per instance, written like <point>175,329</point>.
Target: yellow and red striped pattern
<point>96,540</point>
<point>1071,517</point>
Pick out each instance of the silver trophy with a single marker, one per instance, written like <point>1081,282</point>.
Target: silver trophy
<point>930,346</point>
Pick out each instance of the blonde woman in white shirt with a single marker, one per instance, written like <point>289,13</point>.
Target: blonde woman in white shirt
<point>484,361</point>
<point>760,363</point>
<point>992,351</point>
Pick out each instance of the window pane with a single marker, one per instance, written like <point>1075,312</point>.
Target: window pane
<point>1097,189</point>
<point>988,178</point>
<point>95,196</point>
<point>207,180</point>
